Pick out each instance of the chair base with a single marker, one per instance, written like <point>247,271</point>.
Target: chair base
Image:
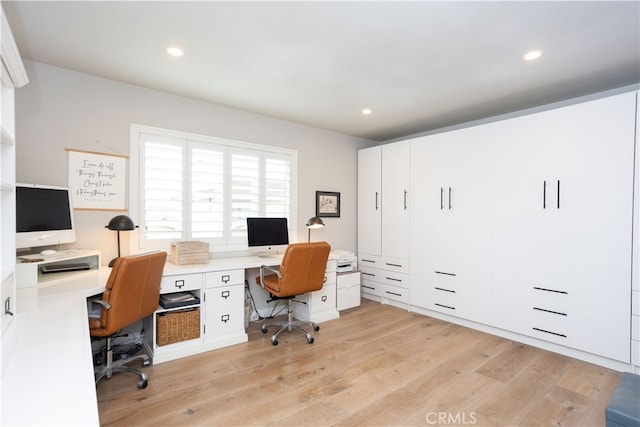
<point>110,367</point>
<point>290,325</point>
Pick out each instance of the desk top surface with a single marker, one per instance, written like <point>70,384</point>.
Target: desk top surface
<point>48,379</point>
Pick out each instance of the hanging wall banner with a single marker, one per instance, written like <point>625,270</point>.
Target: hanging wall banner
<point>97,181</point>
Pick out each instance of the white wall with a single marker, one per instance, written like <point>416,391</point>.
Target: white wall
<point>61,109</point>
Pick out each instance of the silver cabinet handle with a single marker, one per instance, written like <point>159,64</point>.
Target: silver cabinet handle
<point>558,196</point>
<point>441,198</point>
<point>376,200</point>
<point>405,200</point>
<point>544,194</point>
<point>449,198</point>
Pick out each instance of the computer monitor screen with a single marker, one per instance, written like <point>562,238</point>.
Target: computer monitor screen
<point>44,216</point>
<point>267,234</point>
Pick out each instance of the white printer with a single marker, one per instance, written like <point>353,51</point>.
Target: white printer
<point>345,261</point>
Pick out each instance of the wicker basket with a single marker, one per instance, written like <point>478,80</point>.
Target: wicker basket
<point>176,326</point>
<point>189,252</point>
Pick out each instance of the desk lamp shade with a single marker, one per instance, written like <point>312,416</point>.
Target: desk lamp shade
<point>314,222</point>
<point>120,223</point>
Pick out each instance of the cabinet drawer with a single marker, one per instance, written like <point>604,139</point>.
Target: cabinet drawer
<point>315,302</point>
<point>183,282</point>
<point>324,299</point>
<point>370,261</point>
<point>348,297</point>
<point>395,293</point>
<point>444,299</point>
<point>371,274</point>
<point>329,278</point>
<point>395,279</point>
<point>371,288</point>
<point>224,278</point>
<point>550,327</point>
<point>399,265</point>
<point>346,280</point>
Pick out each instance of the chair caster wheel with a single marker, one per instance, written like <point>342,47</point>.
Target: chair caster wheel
<point>146,362</point>
<point>316,328</point>
<point>142,384</point>
<point>310,340</point>
<point>263,329</point>
<point>274,341</point>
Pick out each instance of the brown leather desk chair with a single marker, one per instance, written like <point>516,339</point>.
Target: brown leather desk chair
<point>301,271</point>
<point>133,293</point>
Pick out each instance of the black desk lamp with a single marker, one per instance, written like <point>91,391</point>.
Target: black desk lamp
<point>120,223</point>
<point>314,222</point>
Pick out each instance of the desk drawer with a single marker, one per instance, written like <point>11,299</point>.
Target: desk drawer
<point>329,278</point>
<point>347,280</point>
<point>182,282</point>
<point>224,278</point>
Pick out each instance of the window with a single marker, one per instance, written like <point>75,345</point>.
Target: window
<point>194,187</point>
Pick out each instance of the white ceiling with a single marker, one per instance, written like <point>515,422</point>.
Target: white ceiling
<point>418,65</point>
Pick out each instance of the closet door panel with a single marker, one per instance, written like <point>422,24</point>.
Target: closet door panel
<point>369,201</point>
<point>395,191</point>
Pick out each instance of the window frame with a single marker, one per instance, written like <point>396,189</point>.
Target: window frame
<point>138,243</point>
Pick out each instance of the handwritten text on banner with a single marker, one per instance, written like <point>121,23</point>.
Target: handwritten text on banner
<point>97,181</point>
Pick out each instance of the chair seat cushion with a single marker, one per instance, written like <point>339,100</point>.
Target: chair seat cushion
<point>271,283</point>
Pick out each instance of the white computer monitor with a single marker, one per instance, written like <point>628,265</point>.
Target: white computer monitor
<point>44,216</point>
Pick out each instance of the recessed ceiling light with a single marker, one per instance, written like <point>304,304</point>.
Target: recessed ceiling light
<point>532,55</point>
<point>175,51</point>
<point>367,111</point>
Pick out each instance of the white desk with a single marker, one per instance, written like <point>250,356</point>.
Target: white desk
<point>49,378</point>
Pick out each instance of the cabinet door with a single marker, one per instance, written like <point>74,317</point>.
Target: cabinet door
<point>564,188</point>
<point>452,197</point>
<point>395,192</point>
<point>369,201</point>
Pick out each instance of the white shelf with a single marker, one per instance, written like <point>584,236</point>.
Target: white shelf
<point>29,273</point>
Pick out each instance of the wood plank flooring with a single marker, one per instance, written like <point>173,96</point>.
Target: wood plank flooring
<point>375,366</point>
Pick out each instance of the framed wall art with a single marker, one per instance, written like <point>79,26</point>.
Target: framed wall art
<point>327,204</point>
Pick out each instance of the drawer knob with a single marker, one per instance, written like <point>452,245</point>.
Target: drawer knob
<point>226,278</point>
<point>324,298</point>
<point>225,294</point>
<point>224,318</point>
<point>179,284</point>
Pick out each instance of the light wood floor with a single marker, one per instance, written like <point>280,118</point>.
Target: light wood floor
<point>375,366</point>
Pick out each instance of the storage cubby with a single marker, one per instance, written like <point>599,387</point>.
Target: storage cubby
<point>29,267</point>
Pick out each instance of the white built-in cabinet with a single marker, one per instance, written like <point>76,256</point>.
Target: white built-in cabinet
<point>451,222</point>
<point>563,224</point>
<point>526,224</point>
<point>384,222</point>
<point>12,76</point>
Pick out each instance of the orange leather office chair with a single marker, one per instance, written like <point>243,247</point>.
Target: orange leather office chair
<point>301,271</point>
<point>133,293</point>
